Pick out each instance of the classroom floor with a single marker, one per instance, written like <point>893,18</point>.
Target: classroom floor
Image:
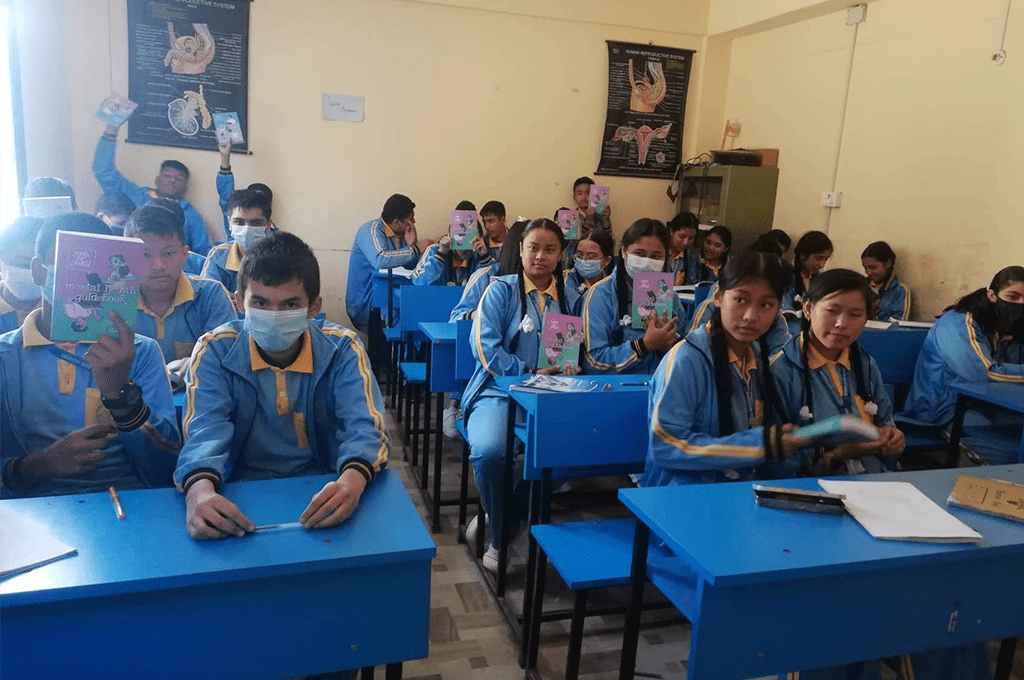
<point>470,638</point>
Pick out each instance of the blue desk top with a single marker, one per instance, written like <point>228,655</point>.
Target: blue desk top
<point>618,383</point>
<point>151,549</point>
<point>730,540</point>
<point>439,332</point>
<point>1007,395</point>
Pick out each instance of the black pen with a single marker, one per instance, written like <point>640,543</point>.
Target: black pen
<point>638,384</point>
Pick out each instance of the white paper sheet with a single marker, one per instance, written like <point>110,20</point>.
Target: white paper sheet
<point>24,544</point>
<point>898,511</point>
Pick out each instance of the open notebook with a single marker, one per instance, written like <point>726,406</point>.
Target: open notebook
<point>24,545</point>
<point>898,511</point>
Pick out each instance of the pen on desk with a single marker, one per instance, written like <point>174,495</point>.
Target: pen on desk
<point>635,384</point>
<point>118,510</point>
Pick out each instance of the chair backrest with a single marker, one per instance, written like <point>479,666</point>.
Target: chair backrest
<point>427,303</point>
<point>701,292</point>
<point>895,351</point>
<point>465,362</point>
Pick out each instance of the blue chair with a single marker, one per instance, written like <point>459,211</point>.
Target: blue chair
<point>419,304</point>
<point>590,555</point>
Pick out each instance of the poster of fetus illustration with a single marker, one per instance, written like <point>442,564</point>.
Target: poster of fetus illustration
<point>646,104</point>
<point>188,67</point>
<point>560,343</point>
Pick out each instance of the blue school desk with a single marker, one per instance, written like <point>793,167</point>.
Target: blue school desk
<point>1007,396</point>
<point>142,599</point>
<point>779,590</point>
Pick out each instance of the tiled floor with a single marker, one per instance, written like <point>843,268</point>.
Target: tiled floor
<point>470,637</point>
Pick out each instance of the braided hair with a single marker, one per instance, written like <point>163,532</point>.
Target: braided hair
<point>533,225</point>
<point>811,243</point>
<point>741,268</point>
<point>826,284</point>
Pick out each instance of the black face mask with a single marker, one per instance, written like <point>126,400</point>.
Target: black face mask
<point>1009,318</point>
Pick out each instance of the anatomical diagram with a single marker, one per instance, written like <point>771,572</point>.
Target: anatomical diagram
<point>190,54</point>
<point>182,112</point>
<point>642,136</point>
<point>646,94</point>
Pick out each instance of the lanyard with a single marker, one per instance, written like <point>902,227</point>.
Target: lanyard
<point>751,402</point>
<point>71,358</point>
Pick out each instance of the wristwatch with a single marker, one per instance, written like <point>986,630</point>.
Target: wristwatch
<point>127,399</point>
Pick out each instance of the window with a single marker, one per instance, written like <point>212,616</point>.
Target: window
<point>12,166</point>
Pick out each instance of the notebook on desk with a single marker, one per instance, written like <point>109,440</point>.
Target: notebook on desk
<point>25,545</point>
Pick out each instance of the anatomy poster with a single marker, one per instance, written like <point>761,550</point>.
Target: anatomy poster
<point>646,102</point>
<point>187,60</point>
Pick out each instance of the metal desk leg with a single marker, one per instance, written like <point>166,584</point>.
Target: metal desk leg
<point>393,671</point>
<point>531,565</point>
<point>638,575</point>
<point>1004,663</point>
<point>438,442</point>
<point>366,673</point>
<point>506,490</point>
<point>956,432</point>
<point>579,615</point>
<point>464,491</point>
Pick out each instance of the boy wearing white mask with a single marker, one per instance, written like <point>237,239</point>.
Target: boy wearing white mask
<point>174,309</point>
<point>249,219</point>
<point>226,186</point>
<point>279,395</point>
<point>19,294</point>
<point>612,344</point>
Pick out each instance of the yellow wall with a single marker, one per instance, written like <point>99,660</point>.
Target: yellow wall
<point>516,118</point>
<point>932,144</point>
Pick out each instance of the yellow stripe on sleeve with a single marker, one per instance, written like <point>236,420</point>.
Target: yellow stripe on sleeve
<point>586,332</point>
<point>906,302</point>
<point>197,357</point>
<point>476,332</point>
<point>720,450</point>
<point>365,374</point>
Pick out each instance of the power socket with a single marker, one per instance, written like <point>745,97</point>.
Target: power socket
<point>831,199</point>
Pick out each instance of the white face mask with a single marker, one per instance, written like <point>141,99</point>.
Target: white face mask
<point>636,264</point>
<point>247,236</point>
<point>275,331</point>
<point>18,281</point>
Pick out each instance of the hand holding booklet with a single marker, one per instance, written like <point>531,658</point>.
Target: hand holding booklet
<point>838,430</point>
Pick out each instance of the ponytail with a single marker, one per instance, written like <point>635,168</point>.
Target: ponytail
<point>723,378</point>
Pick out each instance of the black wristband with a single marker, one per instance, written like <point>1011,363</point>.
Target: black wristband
<point>639,348</point>
<point>200,475</point>
<point>133,419</point>
<point>360,467</point>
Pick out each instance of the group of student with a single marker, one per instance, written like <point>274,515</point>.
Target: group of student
<point>274,391</point>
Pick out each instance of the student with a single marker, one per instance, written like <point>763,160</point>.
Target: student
<point>812,252</point>
<point>278,395</point>
<point>172,182</point>
<point>19,293</point>
<point>611,343</point>
<point>506,341</point>
<point>714,412</point>
<point>226,187</point>
<point>488,249</point>
<point>442,265</point>
<point>383,243</point>
<point>879,262</point>
<point>589,220</point>
<point>174,309</point>
<point>714,253</point>
<point>780,237</point>
<point>683,230</point>
<point>507,263</point>
<point>79,418</point>
<point>250,223</point>
<point>47,187</point>
<point>195,262</point>
<point>979,340</point>
<point>591,262</point>
<point>113,208</point>
<point>823,372</point>
<point>778,335</point>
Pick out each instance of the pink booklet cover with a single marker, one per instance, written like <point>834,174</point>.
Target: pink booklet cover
<point>115,110</point>
<point>569,222</point>
<point>462,227</point>
<point>652,294</point>
<point>95,275</point>
<point>560,343</point>
<point>598,198</point>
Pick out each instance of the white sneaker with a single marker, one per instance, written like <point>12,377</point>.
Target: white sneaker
<point>452,415</point>
<point>490,560</point>
<point>471,529</point>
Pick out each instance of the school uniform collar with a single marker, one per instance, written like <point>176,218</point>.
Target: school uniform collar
<point>552,290</point>
<point>5,306</point>
<point>302,364</point>
<point>751,359</point>
<point>30,335</point>
<point>460,264</point>
<point>815,360</point>
<point>183,293</point>
<point>234,258</point>
<point>710,267</point>
<point>387,230</point>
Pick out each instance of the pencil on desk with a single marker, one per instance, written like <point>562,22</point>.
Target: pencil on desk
<point>118,510</point>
